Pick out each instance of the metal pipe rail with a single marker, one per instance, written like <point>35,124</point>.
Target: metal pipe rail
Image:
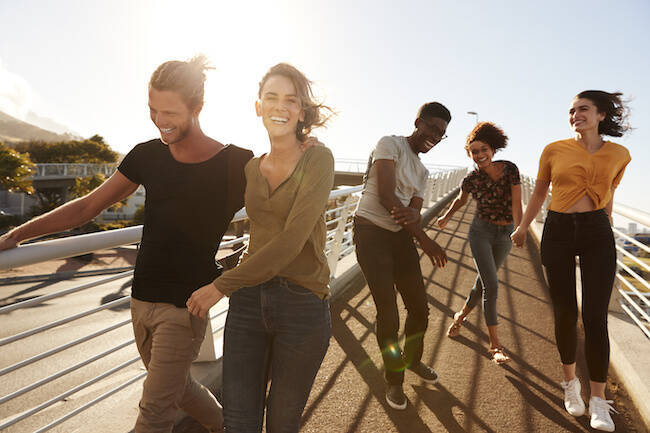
<point>61,348</point>
<point>63,372</point>
<point>339,245</point>
<point>56,323</point>
<point>43,298</point>
<point>55,170</point>
<point>66,394</point>
<point>91,403</point>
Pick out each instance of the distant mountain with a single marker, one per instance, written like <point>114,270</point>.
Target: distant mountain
<point>50,125</point>
<point>13,130</point>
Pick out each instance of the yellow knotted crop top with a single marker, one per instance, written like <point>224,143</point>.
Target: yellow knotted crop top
<point>574,172</point>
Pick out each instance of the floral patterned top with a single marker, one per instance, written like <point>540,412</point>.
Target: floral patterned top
<point>493,198</point>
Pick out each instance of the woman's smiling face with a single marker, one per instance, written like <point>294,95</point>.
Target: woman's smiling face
<point>279,106</point>
<point>481,153</point>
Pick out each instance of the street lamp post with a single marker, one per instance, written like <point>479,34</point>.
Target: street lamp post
<point>473,113</point>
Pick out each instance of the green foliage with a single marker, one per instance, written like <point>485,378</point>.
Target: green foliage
<point>89,151</point>
<point>93,150</point>
<point>9,221</point>
<point>15,170</point>
<point>48,199</point>
<point>138,216</point>
<point>113,225</point>
<point>83,185</point>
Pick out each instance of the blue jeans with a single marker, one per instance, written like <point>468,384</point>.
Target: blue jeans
<point>280,331</point>
<point>490,245</point>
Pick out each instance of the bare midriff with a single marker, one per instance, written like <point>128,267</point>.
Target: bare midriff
<point>583,204</point>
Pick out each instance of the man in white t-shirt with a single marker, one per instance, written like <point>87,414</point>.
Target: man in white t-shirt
<point>385,223</point>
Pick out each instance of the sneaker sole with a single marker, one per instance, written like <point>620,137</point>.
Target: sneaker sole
<point>396,406</point>
<point>429,381</point>
<point>602,428</point>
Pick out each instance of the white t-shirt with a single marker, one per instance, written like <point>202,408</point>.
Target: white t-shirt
<point>410,180</point>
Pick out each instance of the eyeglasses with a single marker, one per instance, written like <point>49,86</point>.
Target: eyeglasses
<point>437,132</point>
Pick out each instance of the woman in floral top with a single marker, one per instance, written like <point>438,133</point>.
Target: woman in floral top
<point>496,187</point>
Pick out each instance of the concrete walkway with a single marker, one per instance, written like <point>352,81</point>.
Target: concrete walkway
<point>474,394</point>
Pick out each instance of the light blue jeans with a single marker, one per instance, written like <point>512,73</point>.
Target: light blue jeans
<point>490,245</point>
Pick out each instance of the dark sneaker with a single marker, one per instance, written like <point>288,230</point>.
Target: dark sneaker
<point>395,397</point>
<point>425,372</point>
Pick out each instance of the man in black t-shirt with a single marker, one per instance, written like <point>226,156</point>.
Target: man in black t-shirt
<point>194,186</point>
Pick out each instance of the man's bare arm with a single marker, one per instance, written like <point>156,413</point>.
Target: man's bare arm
<point>73,213</point>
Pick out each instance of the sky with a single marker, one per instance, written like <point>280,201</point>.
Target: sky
<point>86,64</point>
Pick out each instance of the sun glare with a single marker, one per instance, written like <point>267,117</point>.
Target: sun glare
<point>241,40</point>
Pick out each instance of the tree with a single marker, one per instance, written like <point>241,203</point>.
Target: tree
<point>93,150</point>
<point>83,185</point>
<point>138,217</point>
<point>15,170</point>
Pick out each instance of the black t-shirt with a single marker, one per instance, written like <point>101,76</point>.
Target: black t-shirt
<point>188,207</point>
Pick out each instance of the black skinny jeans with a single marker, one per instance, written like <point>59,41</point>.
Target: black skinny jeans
<point>587,235</point>
<point>389,260</point>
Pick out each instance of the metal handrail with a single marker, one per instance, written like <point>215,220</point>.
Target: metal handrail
<point>68,393</point>
<point>91,403</point>
<point>61,348</point>
<point>43,298</point>
<point>64,372</point>
<point>59,322</point>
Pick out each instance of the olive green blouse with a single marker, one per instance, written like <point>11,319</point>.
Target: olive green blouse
<point>287,227</point>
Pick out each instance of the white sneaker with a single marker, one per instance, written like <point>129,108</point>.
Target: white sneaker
<point>572,400</point>
<point>599,412</point>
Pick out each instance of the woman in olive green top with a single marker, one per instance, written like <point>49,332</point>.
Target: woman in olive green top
<point>278,321</point>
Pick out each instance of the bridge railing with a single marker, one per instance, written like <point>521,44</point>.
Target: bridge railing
<point>55,170</point>
<point>339,245</point>
<point>633,260</point>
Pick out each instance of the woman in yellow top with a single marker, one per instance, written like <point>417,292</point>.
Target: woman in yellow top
<point>278,324</point>
<point>584,172</point>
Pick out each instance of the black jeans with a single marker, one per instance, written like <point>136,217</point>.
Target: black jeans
<point>587,235</point>
<point>389,260</point>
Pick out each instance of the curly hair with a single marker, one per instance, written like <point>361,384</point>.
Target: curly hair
<point>314,116</point>
<point>616,111</point>
<point>489,133</point>
<point>185,78</point>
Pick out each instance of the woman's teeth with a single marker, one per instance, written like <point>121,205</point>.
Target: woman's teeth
<point>166,130</point>
<point>281,120</point>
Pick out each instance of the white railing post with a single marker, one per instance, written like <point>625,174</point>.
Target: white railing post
<point>337,241</point>
<point>447,183</point>
<point>427,192</point>
<point>207,351</point>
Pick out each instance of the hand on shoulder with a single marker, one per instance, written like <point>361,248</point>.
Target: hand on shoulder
<point>310,142</point>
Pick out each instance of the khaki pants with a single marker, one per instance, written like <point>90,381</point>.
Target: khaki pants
<point>168,339</point>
